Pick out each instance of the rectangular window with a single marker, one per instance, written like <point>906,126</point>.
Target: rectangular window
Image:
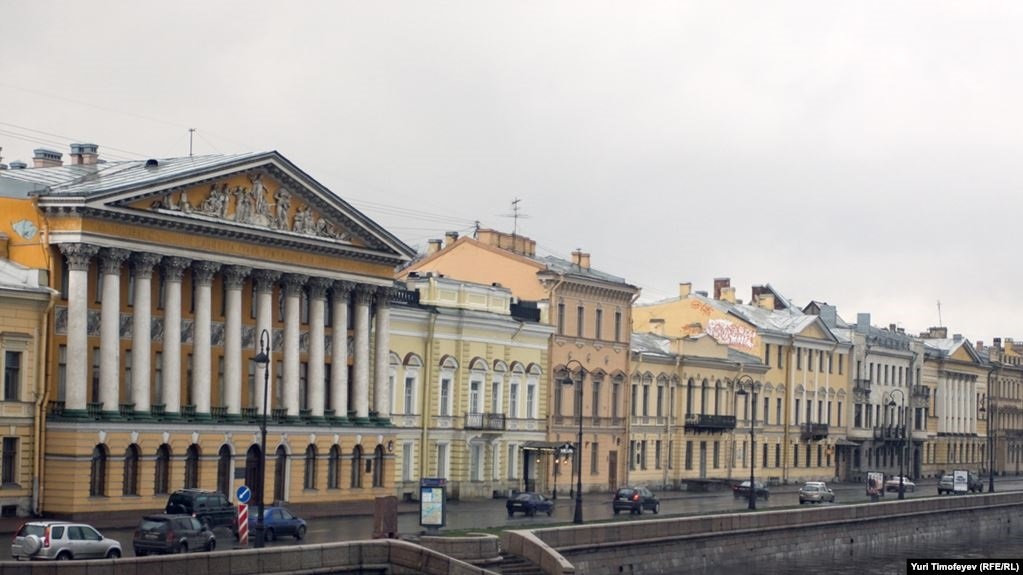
<point>635,400</point>
<point>797,412</point>
<point>252,301</point>
<point>780,352</point>
<point>808,454</point>
<point>839,421</point>
<point>476,462</point>
<point>777,455</point>
<point>406,462</point>
<point>64,278</point>
<point>763,459</point>
<point>95,374</point>
<point>10,461</point>
<point>161,290</point>
<point>841,360</point>
<point>809,359</point>
<point>513,400</point>
<point>671,454</point>
<point>689,455</point>
<point>795,456</point>
<point>777,412</point>
<point>61,372</point>
<point>598,323</point>
<point>531,401</point>
<point>559,398</point>
<point>12,375</point>
<point>278,375</point>
<point>858,415</point>
<point>646,400</point>
<point>618,326</point>
<point>717,454</point>
<point>596,399</point>
<point>657,454</point>
<point>831,362</point>
<point>561,319</point>
<point>128,388</point>
<point>615,392</point>
<point>189,382</point>
<point>409,402</point>
<point>445,396</point>
<point>580,318</point>
<point>660,401</point>
<point>767,354</point>
<point>303,385</point>
<point>820,361</point>
<point>767,410</point>
<point>131,290</point>
<point>799,358</point>
<point>442,459</point>
<point>513,460</point>
<point>158,378</point>
<point>594,455</point>
<point>303,307</point>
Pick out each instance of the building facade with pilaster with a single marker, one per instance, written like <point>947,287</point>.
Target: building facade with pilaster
<point>173,274</point>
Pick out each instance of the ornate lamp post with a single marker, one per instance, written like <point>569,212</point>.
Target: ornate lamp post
<point>902,437</point>
<point>263,358</point>
<point>578,461</point>
<point>742,382</point>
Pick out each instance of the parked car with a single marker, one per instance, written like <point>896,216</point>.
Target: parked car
<point>277,521</point>
<point>178,533</point>
<point>635,500</point>
<point>815,492</point>
<point>892,485</point>
<point>62,540</point>
<point>742,490</point>
<point>530,504</point>
<point>947,484</point>
<point>212,508</point>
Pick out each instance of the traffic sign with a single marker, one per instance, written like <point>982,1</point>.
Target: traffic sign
<point>244,494</point>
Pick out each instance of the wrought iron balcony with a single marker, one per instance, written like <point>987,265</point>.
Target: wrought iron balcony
<point>888,433</point>
<point>704,422</point>
<point>861,386</point>
<point>921,391</point>
<point>485,421</point>
<point>814,431</point>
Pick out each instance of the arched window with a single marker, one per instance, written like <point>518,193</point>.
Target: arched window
<point>253,478</point>
<point>378,466</point>
<point>310,467</point>
<point>131,471</point>
<point>192,467</point>
<point>280,474</point>
<point>224,470</point>
<point>357,466</point>
<point>334,468</point>
<point>98,472</point>
<point>161,480</point>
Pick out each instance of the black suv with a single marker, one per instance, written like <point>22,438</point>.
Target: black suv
<point>210,507</point>
<point>163,533</point>
<point>635,500</point>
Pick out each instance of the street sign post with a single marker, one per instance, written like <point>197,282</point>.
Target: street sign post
<point>244,494</point>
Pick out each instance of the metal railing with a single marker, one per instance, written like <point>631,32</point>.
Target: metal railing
<point>702,421</point>
<point>485,421</point>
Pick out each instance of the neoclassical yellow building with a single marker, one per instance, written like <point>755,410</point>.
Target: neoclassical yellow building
<point>172,275</point>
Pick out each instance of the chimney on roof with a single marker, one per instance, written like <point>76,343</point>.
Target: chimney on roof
<point>765,301</point>
<point>18,165</point>
<point>719,284</point>
<point>701,292</point>
<point>829,315</point>
<point>957,337</point>
<point>449,238</point>
<point>997,342</point>
<point>581,259</point>
<point>728,294</point>
<point>935,333</point>
<point>685,289</point>
<point>84,154</point>
<point>862,323</point>
<point>432,247</point>
<point>44,158</point>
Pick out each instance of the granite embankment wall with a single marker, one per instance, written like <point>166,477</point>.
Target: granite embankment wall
<point>378,556</point>
<point>713,542</point>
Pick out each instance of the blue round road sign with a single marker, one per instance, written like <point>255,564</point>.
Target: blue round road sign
<point>244,494</point>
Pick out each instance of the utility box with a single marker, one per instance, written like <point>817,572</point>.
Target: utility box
<point>385,517</point>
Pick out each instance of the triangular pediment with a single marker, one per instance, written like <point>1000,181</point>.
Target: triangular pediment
<point>263,197</point>
<point>964,353</point>
<point>816,331</point>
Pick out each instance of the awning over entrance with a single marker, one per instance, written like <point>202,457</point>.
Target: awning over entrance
<point>543,445</point>
<point>846,442</point>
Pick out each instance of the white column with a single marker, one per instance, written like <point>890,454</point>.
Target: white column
<point>234,278</point>
<point>202,357</point>
<point>110,330</point>
<point>172,269</point>
<point>340,298</point>
<point>363,296</point>
<point>292,323</point>
<point>317,300</point>
<point>265,280</point>
<point>382,386</point>
<point>142,329</point>
<point>78,257</point>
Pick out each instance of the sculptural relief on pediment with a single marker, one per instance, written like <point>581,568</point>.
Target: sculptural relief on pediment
<point>258,204</point>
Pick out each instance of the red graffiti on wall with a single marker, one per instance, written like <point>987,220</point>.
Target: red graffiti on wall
<point>730,333</point>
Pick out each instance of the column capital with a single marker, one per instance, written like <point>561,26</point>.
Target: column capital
<point>174,266</point>
<point>79,255</point>
<point>202,272</point>
<point>318,287</point>
<point>142,264</point>
<point>342,289</point>
<point>111,260</point>
<point>384,295</point>
<point>364,294</point>
<point>265,279</point>
<point>234,276</point>
<point>293,283</point>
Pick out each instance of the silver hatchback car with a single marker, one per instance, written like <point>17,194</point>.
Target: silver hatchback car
<point>816,492</point>
<point>61,540</point>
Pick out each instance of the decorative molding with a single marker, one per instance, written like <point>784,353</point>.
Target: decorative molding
<point>265,280</point>
<point>111,259</point>
<point>79,256</point>
<point>173,267</point>
<point>318,287</point>
<point>293,284</point>
<point>142,264</point>
<point>202,272</point>
<point>234,276</point>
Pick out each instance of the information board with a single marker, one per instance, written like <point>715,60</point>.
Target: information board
<point>432,501</point>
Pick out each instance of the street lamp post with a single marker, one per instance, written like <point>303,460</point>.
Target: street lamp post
<point>902,437</point>
<point>578,518</point>
<point>263,357</point>
<point>990,443</point>
<point>742,392</point>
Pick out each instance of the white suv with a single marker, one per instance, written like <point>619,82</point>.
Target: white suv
<point>61,540</point>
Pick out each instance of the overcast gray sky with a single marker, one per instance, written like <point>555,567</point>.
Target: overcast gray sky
<point>865,154</point>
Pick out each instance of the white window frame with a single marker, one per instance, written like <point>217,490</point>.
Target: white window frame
<point>443,459</point>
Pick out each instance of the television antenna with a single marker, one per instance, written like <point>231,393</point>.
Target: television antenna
<point>516,214</point>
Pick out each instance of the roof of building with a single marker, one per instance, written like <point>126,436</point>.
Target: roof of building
<point>565,267</point>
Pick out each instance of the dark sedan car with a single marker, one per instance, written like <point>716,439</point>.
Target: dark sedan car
<point>277,522</point>
<point>529,503</point>
<point>635,500</point>
<point>742,490</point>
